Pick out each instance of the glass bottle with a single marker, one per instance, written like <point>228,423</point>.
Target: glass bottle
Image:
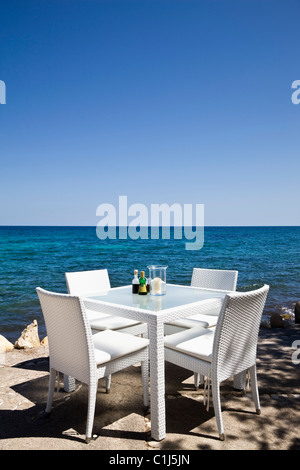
<point>135,282</point>
<point>142,285</point>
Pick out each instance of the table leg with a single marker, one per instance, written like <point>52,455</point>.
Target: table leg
<point>239,381</point>
<point>69,383</point>
<point>157,380</point>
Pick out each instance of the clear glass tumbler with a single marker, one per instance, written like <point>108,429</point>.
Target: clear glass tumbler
<point>158,280</point>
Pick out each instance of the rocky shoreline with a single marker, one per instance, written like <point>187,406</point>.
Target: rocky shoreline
<point>29,337</point>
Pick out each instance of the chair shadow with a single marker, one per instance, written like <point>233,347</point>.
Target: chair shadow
<point>40,364</point>
<point>69,409</point>
<point>185,412</point>
<point>185,407</point>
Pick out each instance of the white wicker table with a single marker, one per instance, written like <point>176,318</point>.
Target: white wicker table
<point>179,302</point>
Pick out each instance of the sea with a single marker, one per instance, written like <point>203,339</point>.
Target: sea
<point>39,256</point>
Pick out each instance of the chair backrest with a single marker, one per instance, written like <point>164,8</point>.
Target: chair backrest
<point>222,279</point>
<point>71,348</point>
<point>236,334</point>
<point>87,282</point>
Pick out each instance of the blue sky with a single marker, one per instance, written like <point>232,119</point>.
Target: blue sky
<point>162,101</point>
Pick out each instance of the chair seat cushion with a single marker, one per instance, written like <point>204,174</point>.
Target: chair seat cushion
<point>110,345</point>
<point>102,321</point>
<point>211,310</point>
<point>196,342</point>
<point>94,315</point>
<point>203,321</point>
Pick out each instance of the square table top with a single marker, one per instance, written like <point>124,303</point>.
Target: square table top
<point>175,296</point>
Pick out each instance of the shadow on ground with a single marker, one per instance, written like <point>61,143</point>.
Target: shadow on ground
<point>120,422</point>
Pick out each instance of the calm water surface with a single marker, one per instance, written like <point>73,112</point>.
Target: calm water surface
<point>39,256</point>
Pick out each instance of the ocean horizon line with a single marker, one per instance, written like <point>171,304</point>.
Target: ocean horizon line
<point>33,255</point>
<point>149,226</point>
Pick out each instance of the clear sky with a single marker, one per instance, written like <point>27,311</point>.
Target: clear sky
<point>162,101</point>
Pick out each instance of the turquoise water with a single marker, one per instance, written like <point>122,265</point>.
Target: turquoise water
<point>39,256</point>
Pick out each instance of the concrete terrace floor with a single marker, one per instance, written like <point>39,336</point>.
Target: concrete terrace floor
<point>120,422</point>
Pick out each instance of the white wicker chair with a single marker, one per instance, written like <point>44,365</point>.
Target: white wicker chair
<point>84,283</point>
<point>223,351</point>
<point>206,279</point>
<point>222,279</point>
<point>74,351</point>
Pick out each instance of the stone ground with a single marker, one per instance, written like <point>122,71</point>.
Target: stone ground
<point>120,422</point>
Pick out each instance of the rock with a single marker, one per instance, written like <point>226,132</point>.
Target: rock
<point>5,345</point>
<point>44,341</point>
<point>276,321</point>
<point>29,337</point>
<point>297,312</point>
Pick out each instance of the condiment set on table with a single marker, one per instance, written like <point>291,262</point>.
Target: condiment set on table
<point>155,284</point>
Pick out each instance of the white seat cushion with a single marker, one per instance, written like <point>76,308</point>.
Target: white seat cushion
<point>110,345</point>
<point>93,315</point>
<point>112,323</point>
<point>199,320</point>
<point>197,342</point>
<point>212,310</point>
<point>103,321</point>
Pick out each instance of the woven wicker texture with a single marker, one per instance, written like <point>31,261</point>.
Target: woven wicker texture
<point>84,283</point>
<point>72,348</point>
<point>206,279</point>
<point>222,279</point>
<point>87,282</point>
<point>233,348</point>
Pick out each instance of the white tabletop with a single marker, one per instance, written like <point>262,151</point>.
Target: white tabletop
<point>176,296</point>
